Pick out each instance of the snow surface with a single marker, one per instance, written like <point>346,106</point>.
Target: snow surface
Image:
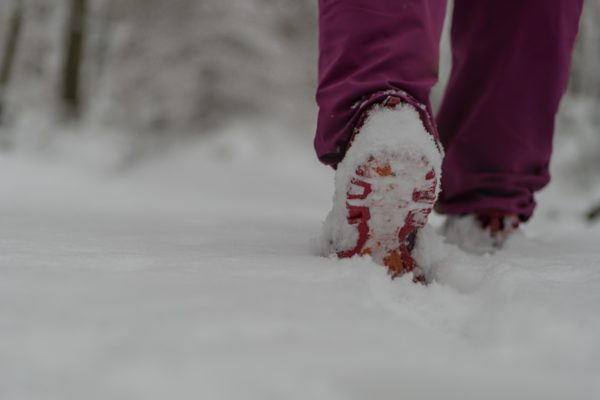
<point>194,276</point>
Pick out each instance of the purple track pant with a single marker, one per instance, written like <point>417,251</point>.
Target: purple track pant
<point>511,61</point>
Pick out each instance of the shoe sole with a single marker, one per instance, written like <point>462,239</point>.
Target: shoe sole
<point>389,199</point>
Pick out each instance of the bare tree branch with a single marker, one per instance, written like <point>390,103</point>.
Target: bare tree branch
<point>594,213</point>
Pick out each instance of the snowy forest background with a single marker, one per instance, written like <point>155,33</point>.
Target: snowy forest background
<point>146,74</point>
<point>151,66</point>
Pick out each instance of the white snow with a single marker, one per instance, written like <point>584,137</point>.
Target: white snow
<point>194,277</point>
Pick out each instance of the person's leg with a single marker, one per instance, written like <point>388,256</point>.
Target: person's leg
<point>511,61</point>
<point>378,62</point>
<point>369,48</point>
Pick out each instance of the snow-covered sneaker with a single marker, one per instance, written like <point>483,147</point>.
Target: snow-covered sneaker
<point>385,188</point>
<point>482,232</point>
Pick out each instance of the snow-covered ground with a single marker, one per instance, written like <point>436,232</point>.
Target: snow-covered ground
<point>195,276</point>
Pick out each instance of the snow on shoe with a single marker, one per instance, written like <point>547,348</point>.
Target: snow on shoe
<point>385,189</point>
<point>481,233</point>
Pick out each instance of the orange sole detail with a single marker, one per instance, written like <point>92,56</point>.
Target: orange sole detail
<point>388,201</point>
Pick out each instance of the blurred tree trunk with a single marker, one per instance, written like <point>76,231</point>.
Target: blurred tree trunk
<point>11,44</point>
<point>73,59</point>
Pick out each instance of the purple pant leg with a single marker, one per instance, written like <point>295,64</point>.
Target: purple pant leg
<point>511,61</point>
<point>368,47</point>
